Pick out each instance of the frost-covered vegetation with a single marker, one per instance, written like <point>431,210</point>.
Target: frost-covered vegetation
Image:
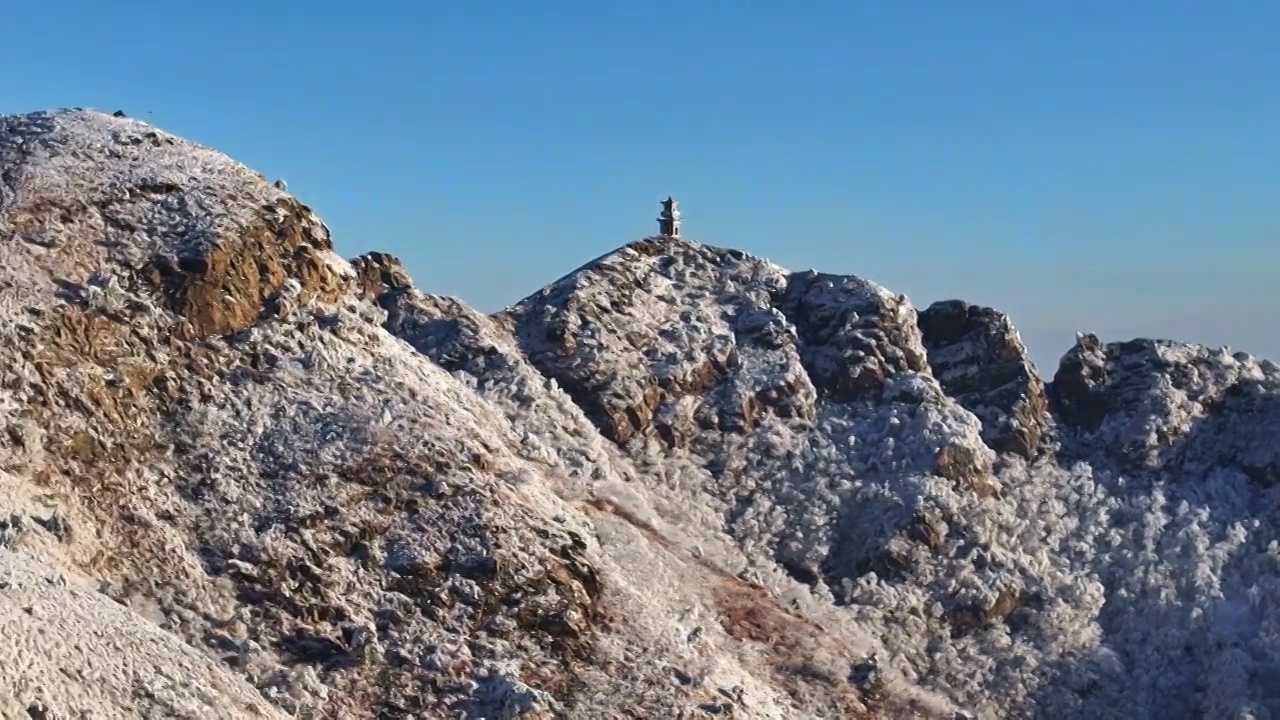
<point>680,482</point>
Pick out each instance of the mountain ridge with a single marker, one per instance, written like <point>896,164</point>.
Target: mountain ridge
<point>679,481</point>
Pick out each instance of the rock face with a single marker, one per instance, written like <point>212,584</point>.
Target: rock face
<point>679,482</point>
<point>855,334</point>
<point>225,287</point>
<point>978,357</point>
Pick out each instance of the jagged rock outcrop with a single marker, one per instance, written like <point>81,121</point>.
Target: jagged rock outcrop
<point>854,333</point>
<point>1154,405</point>
<point>978,357</point>
<point>223,285</point>
<point>671,339</point>
<point>378,273</point>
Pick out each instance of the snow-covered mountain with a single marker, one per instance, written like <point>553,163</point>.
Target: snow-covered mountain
<point>679,482</point>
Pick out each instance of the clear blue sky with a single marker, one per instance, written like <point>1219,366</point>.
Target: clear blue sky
<point>1101,166</point>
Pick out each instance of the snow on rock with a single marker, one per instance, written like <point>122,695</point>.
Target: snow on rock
<point>670,340</point>
<point>854,333</point>
<point>70,652</point>
<point>858,464</point>
<point>558,436</point>
<point>679,482</point>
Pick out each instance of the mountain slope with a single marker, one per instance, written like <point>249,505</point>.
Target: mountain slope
<point>207,398</point>
<point>1127,522</point>
<point>680,481</point>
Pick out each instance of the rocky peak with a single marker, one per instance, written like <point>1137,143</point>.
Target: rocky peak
<point>978,357</point>
<point>635,333</point>
<point>87,193</point>
<point>1171,407</point>
<point>664,328</point>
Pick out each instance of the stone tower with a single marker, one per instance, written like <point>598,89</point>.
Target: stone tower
<point>669,219</point>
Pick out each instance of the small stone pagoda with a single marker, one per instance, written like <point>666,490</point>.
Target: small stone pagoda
<point>669,219</point>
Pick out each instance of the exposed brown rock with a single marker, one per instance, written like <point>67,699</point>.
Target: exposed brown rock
<point>970,618</point>
<point>224,287</point>
<point>1079,384</point>
<point>928,529</point>
<point>377,273</point>
<point>636,417</point>
<point>979,360</point>
<point>962,465</point>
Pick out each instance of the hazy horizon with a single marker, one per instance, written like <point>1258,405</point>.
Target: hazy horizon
<point>1092,168</point>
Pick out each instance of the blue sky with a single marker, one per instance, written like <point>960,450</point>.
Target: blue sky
<point>1098,166</point>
